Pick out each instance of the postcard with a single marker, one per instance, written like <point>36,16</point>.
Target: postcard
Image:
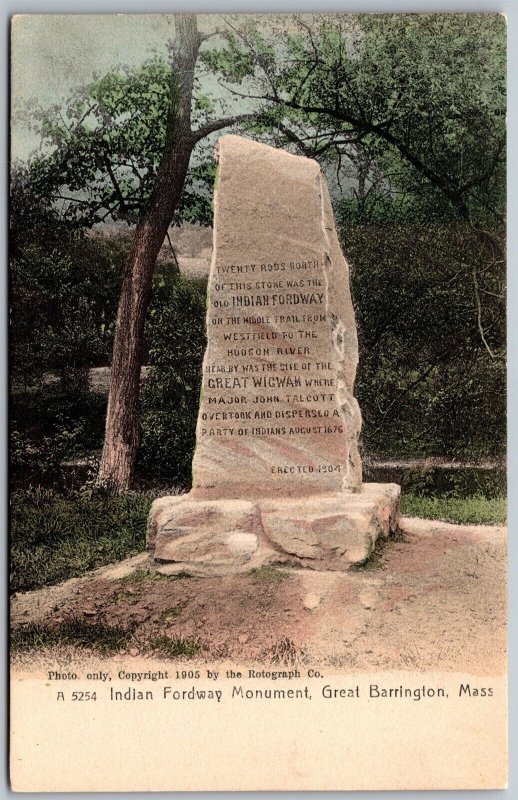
<point>258,426</point>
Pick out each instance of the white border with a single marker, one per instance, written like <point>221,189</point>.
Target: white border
<point>510,8</point>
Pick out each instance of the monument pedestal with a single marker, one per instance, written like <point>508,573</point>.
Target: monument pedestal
<point>333,531</point>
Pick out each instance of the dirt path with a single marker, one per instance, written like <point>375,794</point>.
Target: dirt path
<point>433,598</point>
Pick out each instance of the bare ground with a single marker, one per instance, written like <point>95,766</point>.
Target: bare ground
<point>432,598</point>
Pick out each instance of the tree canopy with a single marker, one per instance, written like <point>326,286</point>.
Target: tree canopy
<point>407,104</point>
<point>421,95</point>
<point>100,152</point>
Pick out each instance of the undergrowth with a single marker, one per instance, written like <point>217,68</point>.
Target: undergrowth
<point>58,536</point>
<point>270,574</point>
<point>101,638</point>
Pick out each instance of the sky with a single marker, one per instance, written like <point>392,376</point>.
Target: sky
<point>51,54</point>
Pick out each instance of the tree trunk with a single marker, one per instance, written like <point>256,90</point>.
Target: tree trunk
<point>122,435</point>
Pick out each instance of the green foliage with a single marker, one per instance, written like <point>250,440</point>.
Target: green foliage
<point>56,536</point>
<point>439,87</point>
<point>63,303</point>
<point>102,145</point>
<point>144,576</point>
<point>270,574</point>
<point>196,201</point>
<point>64,291</point>
<point>421,96</point>
<point>51,424</point>
<point>474,510</point>
<point>176,335</point>
<point>33,218</point>
<point>101,151</point>
<point>409,110</point>
<point>234,61</point>
<point>418,98</point>
<point>489,482</point>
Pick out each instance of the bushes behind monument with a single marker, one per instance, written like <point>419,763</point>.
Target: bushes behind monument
<point>63,307</point>
<point>63,297</point>
<point>430,306</point>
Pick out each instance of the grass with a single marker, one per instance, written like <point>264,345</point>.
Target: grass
<point>175,648</point>
<point>270,574</point>
<point>284,652</point>
<point>101,638</point>
<point>56,536</point>
<point>374,561</point>
<point>169,614</point>
<point>473,510</point>
<point>141,576</point>
<point>125,596</point>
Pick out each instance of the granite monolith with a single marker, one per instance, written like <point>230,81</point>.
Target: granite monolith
<point>276,471</point>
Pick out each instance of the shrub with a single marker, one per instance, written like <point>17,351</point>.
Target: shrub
<point>51,424</point>
<point>64,292</point>
<point>427,383</point>
<point>170,398</point>
<point>63,303</point>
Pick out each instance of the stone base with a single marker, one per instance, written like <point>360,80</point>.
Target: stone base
<point>217,537</point>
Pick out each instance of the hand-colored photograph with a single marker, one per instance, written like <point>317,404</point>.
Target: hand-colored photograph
<point>258,402</point>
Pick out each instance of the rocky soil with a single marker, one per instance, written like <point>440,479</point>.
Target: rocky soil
<point>434,597</point>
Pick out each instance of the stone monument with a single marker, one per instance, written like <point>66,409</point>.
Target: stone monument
<point>277,475</point>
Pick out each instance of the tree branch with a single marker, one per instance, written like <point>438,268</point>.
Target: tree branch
<point>291,136</point>
<point>122,201</point>
<point>218,124</point>
<point>479,315</point>
<point>369,127</point>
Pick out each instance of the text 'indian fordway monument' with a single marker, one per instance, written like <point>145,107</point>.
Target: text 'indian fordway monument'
<point>276,471</point>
